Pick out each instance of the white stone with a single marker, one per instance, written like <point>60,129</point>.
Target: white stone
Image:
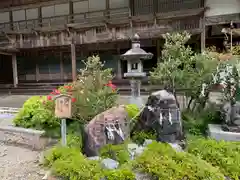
<point>215,131</point>
<point>109,163</point>
<point>176,146</point>
<point>95,158</point>
<point>147,142</point>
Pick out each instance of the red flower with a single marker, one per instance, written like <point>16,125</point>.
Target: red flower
<point>74,100</point>
<point>69,88</point>
<point>49,98</point>
<point>111,85</point>
<point>55,92</point>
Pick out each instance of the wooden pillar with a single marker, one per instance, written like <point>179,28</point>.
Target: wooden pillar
<point>74,65</point>
<point>61,67</point>
<point>119,68</point>
<point>14,67</point>
<point>203,33</point>
<point>37,68</point>
<point>158,46</point>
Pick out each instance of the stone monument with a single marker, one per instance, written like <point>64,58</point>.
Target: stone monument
<point>109,127</point>
<point>135,72</point>
<point>162,114</point>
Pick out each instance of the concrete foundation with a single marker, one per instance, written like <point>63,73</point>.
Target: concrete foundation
<point>215,131</point>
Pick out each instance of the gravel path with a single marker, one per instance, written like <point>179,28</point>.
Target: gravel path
<point>18,163</point>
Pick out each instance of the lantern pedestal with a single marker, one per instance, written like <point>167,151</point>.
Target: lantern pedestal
<point>135,72</point>
<point>135,93</point>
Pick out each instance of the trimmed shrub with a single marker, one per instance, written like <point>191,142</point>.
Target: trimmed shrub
<point>162,162</point>
<point>33,114</point>
<point>223,154</point>
<point>117,152</point>
<point>69,163</point>
<point>196,123</point>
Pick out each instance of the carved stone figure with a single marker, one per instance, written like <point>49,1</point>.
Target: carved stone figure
<point>163,115</point>
<point>109,127</point>
<point>231,114</point>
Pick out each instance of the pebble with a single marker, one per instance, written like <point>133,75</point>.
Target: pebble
<point>17,163</point>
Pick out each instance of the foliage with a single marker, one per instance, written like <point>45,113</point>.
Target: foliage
<point>163,162</point>
<point>94,91</point>
<point>132,110</point>
<point>139,136</point>
<point>223,154</point>
<point>33,114</point>
<point>123,174</point>
<point>181,68</point>
<point>196,123</point>
<point>69,163</point>
<point>117,152</point>
<point>236,50</point>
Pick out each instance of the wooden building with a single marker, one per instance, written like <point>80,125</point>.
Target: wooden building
<point>46,40</point>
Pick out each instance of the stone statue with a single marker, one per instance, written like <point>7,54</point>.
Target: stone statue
<point>163,115</point>
<point>231,112</point>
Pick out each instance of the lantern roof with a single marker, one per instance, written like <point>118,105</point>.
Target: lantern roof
<point>136,52</point>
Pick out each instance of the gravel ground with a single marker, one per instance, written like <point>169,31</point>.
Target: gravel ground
<point>18,163</point>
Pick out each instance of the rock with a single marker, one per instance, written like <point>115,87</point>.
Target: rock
<point>132,146</point>
<point>139,150</point>
<point>176,146</point>
<point>135,150</point>
<point>147,142</point>
<point>161,114</point>
<point>47,175</point>
<point>142,176</point>
<point>95,158</point>
<point>96,131</point>
<point>109,163</point>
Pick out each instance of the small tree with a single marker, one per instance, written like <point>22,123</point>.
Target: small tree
<point>94,91</point>
<point>181,68</point>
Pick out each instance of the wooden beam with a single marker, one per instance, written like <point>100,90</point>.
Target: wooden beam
<point>5,53</point>
<point>223,19</point>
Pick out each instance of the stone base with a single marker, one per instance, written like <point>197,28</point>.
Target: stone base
<point>136,100</point>
<point>30,138</point>
<point>215,131</point>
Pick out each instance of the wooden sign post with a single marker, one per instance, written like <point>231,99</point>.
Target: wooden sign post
<point>63,110</point>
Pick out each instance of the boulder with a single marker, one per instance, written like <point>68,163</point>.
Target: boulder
<point>162,114</point>
<point>96,131</point>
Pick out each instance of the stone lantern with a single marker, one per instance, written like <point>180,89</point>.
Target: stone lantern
<point>135,72</point>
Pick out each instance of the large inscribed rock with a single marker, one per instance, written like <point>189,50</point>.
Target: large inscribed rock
<point>109,127</point>
<point>161,113</point>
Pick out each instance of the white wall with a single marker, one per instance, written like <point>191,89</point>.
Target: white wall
<point>220,7</point>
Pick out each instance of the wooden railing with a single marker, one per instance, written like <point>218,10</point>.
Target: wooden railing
<point>88,17</point>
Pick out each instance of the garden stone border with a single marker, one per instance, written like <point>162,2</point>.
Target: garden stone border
<point>29,138</point>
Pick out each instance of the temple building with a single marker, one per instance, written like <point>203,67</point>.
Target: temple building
<point>46,40</point>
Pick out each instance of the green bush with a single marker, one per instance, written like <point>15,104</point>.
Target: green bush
<point>163,162</point>
<point>139,137</point>
<point>196,123</point>
<point>117,152</point>
<point>132,110</point>
<point>119,174</point>
<point>33,114</point>
<point>223,154</point>
<point>69,163</point>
